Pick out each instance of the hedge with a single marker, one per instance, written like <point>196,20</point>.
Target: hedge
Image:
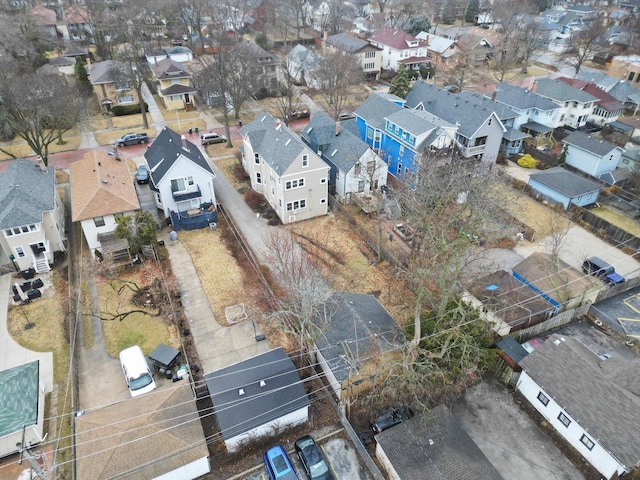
<point>120,110</point>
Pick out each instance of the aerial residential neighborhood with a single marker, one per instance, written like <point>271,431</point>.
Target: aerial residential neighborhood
<point>319,240</point>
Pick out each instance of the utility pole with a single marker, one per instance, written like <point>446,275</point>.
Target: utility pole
<point>30,458</point>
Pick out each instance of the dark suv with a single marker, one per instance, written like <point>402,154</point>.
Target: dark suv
<point>390,418</point>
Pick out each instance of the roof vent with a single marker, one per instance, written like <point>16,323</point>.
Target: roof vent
<point>241,392</point>
<point>106,182</point>
<point>287,142</point>
<point>263,383</point>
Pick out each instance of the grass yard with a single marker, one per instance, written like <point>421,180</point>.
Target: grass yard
<point>219,273</point>
<point>617,218</point>
<point>138,328</point>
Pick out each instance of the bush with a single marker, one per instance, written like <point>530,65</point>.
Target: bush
<point>238,172</point>
<point>527,161</point>
<point>254,199</point>
<point>120,110</point>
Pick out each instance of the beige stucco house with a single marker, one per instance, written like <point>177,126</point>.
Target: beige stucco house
<point>175,88</point>
<point>368,56</point>
<point>111,86</point>
<point>291,176</point>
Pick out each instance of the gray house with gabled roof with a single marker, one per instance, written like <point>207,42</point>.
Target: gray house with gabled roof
<point>357,338</point>
<point>290,175</point>
<point>480,131</point>
<point>590,154</point>
<point>575,105</point>
<point>182,181</point>
<point>561,186</point>
<point>355,167</point>
<point>31,216</point>
<point>591,401</point>
<point>257,397</point>
<point>362,52</point>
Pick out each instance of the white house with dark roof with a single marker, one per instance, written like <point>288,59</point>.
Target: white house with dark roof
<point>355,167</point>
<point>575,105</point>
<point>561,186</point>
<point>399,49</point>
<point>366,54</point>
<point>257,397</point>
<point>291,176</point>
<point>591,401</point>
<point>31,215</point>
<point>101,190</point>
<point>480,131</point>
<point>182,181</point>
<point>591,154</point>
<point>433,446</point>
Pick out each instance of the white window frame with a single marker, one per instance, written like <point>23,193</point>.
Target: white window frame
<point>99,221</point>
<point>296,205</point>
<point>305,160</point>
<point>563,419</point>
<point>293,184</point>
<point>20,252</point>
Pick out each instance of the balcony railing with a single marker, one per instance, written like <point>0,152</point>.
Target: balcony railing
<point>471,151</point>
<point>186,195</point>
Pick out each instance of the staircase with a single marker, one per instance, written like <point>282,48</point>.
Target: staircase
<point>41,264</point>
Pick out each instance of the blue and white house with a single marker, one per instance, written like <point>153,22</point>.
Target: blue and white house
<point>591,155</point>
<point>402,137</point>
<point>561,186</point>
<point>575,105</point>
<point>480,131</point>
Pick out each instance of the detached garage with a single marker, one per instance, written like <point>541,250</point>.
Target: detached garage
<point>257,397</point>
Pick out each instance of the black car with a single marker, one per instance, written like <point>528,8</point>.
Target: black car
<point>142,175</point>
<point>312,459</point>
<point>390,418</point>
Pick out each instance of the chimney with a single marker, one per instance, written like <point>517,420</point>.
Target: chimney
<point>531,83</point>
<point>493,95</point>
<point>184,142</point>
<point>40,163</point>
<point>278,125</point>
<point>535,87</point>
<point>337,127</point>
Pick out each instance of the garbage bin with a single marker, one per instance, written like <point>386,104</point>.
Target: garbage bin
<point>190,130</point>
<point>240,123</point>
<point>197,130</point>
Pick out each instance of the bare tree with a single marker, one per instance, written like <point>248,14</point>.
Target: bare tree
<point>583,45</point>
<point>532,39</point>
<point>102,21</point>
<point>336,74</point>
<point>288,100</point>
<point>40,115</point>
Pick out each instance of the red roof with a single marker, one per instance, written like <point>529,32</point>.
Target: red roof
<point>43,16</point>
<point>607,102</point>
<point>396,39</point>
<point>414,59</point>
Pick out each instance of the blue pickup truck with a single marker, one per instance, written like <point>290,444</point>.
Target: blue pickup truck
<point>601,269</point>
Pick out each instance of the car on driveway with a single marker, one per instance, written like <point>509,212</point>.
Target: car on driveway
<point>142,175</point>
<point>279,464</point>
<point>390,418</point>
<point>312,459</point>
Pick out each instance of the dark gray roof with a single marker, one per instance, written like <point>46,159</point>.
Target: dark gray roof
<point>61,61</point>
<point>177,89</point>
<point>281,394</point>
<point>166,69</point>
<point>25,193</point>
<point>348,148</point>
<point>503,112</point>
<point>376,108</point>
<point>562,92</point>
<point>166,149</point>
<point>18,397</point>
<point>104,72</point>
<point>536,127</point>
<point>625,93</point>
<point>601,79</point>
<point>590,143</point>
<point>279,147</point>
<point>469,116</point>
<point>304,57</point>
<point>566,182</point>
<point>592,391</point>
<point>513,134</point>
<point>512,349</point>
<point>358,326</point>
<point>522,99</point>
<point>349,43</point>
<point>435,447</point>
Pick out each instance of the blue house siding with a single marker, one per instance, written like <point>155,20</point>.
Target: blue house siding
<point>553,195</point>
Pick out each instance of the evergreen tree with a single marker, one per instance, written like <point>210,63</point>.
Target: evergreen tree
<point>401,83</point>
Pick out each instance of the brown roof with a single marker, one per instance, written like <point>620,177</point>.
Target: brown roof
<point>142,437</point>
<point>42,15</point>
<point>76,14</point>
<point>101,185</point>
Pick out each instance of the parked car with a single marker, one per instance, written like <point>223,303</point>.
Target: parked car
<point>142,175</point>
<point>298,114</point>
<point>601,269</point>
<point>312,459</point>
<point>136,371</point>
<point>390,418</point>
<point>211,138</point>
<point>278,463</point>
<point>132,139</point>
<point>346,116</point>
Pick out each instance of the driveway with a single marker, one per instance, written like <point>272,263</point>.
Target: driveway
<point>511,441</point>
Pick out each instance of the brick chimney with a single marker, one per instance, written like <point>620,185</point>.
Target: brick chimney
<point>278,124</point>
<point>337,127</point>
<point>184,142</point>
<point>494,94</point>
<point>535,87</point>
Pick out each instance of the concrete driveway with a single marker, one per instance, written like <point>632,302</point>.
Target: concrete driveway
<point>511,441</point>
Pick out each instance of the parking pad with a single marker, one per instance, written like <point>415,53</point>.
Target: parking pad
<point>633,302</point>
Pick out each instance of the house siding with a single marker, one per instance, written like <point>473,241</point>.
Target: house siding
<point>184,168</point>
<point>189,471</point>
<point>592,164</point>
<point>600,458</point>
<point>550,194</point>
<point>91,232</point>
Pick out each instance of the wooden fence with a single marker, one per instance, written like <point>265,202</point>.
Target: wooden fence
<point>554,322</point>
<point>607,231</point>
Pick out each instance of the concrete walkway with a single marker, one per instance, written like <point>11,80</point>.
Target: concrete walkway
<point>11,353</point>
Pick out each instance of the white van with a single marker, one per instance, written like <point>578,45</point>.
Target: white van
<point>136,371</point>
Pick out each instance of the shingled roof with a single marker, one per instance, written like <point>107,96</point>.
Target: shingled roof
<point>522,99</point>
<point>25,193</point>
<point>592,391</point>
<point>566,182</point>
<point>166,69</point>
<point>100,185</point>
<point>561,92</point>
<point>590,143</point>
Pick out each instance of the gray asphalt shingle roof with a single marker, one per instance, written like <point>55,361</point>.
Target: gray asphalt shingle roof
<point>375,109</point>
<point>589,143</point>
<point>561,92</point>
<point>105,72</point>
<point>166,149</point>
<point>522,99</point>
<point>279,147</point>
<point>592,391</point>
<point>25,193</point>
<point>282,392</point>
<point>504,113</point>
<point>348,43</point>
<point>18,397</point>
<point>349,148</point>
<point>435,447</point>
<point>360,324</point>
<point>469,116</point>
<point>566,182</point>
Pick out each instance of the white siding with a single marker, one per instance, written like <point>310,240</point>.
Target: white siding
<point>183,168</point>
<point>333,381</point>
<point>600,458</point>
<point>188,472</point>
